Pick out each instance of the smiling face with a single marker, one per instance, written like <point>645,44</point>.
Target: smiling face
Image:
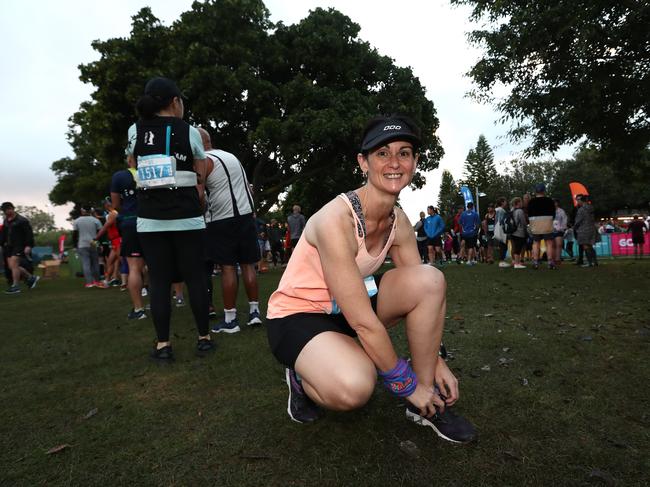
<point>390,167</point>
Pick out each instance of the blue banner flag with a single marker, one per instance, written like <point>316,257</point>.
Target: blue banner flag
<point>467,195</point>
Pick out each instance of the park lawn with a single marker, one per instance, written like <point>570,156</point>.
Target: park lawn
<point>564,402</point>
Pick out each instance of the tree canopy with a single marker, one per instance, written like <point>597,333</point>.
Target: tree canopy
<point>289,101</point>
<point>41,220</point>
<point>575,71</point>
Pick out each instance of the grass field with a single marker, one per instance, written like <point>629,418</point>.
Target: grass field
<point>554,370</point>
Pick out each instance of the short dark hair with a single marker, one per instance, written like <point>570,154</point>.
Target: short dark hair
<point>470,205</point>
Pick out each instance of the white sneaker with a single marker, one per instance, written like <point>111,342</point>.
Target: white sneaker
<point>519,266</point>
<point>503,263</point>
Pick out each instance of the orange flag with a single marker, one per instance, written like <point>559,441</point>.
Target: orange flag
<point>576,189</point>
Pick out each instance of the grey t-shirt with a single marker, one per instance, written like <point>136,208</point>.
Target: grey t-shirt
<point>520,220</point>
<point>87,226</point>
<point>296,223</point>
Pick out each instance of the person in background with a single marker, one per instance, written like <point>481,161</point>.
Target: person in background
<point>125,202</point>
<point>584,227</point>
<point>111,268</point>
<point>569,238</point>
<point>488,225</point>
<point>559,228</point>
<point>421,237</point>
<point>85,229</point>
<point>232,234</point>
<point>171,228</point>
<point>275,241</point>
<point>434,228</point>
<point>500,211</point>
<point>17,243</point>
<point>518,237</point>
<point>459,245</point>
<point>448,246</point>
<point>637,228</point>
<point>541,212</point>
<point>296,223</point>
<point>470,222</point>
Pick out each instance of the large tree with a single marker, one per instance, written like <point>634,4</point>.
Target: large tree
<point>41,220</point>
<point>574,71</point>
<point>448,198</point>
<point>480,171</point>
<point>289,101</point>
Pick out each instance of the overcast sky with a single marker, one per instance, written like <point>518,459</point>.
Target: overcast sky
<point>45,41</point>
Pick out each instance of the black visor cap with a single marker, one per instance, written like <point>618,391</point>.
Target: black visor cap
<point>387,132</point>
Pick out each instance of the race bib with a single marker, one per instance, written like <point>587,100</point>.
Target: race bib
<point>156,171</point>
<point>371,288</point>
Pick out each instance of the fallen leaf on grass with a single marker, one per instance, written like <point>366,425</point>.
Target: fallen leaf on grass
<point>601,475</point>
<point>485,368</point>
<point>457,318</point>
<point>512,455</point>
<point>504,362</point>
<point>487,315</point>
<point>506,349</point>
<point>410,448</point>
<point>91,413</point>
<point>57,449</point>
<point>524,381</point>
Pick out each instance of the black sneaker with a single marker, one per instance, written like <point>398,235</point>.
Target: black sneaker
<point>137,315</point>
<point>13,290</point>
<point>446,425</point>
<point>300,407</point>
<point>205,345</point>
<point>32,281</point>
<point>163,355</point>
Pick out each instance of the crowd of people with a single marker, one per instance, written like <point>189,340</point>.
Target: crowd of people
<point>519,226</point>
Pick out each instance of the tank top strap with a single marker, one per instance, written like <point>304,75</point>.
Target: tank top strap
<point>352,200</point>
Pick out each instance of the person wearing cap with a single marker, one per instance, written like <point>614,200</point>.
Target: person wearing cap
<point>17,242</point>
<point>170,164</point>
<point>541,212</point>
<point>327,321</point>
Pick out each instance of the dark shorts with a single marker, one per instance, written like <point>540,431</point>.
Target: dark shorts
<point>13,252</point>
<point>517,243</point>
<point>434,242</point>
<point>233,241</point>
<point>558,234</point>
<point>130,242</point>
<point>543,236</point>
<point>289,335</point>
<point>638,239</point>
<point>470,241</point>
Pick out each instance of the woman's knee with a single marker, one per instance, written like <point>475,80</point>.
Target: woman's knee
<point>350,391</point>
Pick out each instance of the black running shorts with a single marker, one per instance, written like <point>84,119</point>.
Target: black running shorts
<point>289,335</point>
<point>130,241</point>
<point>233,241</point>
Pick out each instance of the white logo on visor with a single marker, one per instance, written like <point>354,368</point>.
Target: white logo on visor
<point>392,127</point>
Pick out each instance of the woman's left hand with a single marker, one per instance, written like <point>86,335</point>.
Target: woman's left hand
<point>446,382</point>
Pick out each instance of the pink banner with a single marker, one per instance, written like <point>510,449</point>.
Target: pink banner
<point>622,244</point>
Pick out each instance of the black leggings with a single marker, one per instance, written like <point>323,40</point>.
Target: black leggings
<point>170,255</point>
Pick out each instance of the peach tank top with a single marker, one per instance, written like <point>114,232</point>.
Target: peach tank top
<point>302,288</point>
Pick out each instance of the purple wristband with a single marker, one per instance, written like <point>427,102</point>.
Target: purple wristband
<point>400,380</point>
